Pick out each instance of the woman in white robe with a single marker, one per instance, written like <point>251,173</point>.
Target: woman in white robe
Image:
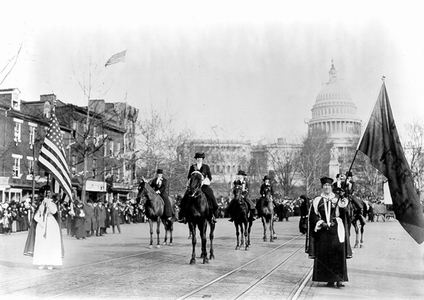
<point>48,247</point>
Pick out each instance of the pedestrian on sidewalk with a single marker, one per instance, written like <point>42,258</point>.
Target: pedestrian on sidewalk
<point>327,236</point>
<point>115,212</point>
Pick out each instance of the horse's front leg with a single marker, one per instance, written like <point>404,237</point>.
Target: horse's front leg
<point>357,235</point>
<point>204,254</point>
<point>242,233</point>
<point>151,233</point>
<point>237,235</point>
<point>271,230</point>
<point>171,229</point>
<point>264,225</point>
<point>248,234</point>
<point>211,236</point>
<point>158,232</point>
<point>193,243</point>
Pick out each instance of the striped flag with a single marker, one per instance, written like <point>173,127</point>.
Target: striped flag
<point>52,155</point>
<point>116,58</point>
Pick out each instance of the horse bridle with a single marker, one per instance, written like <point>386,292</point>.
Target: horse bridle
<point>197,190</point>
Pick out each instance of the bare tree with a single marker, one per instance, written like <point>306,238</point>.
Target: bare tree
<point>414,151</point>
<point>284,163</point>
<point>161,144</point>
<point>10,65</point>
<point>313,161</point>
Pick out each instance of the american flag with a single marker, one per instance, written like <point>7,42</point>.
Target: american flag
<point>116,58</point>
<point>52,155</point>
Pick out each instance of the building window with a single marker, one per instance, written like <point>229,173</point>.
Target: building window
<point>105,146</point>
<point>30,160</point>
<point>74,165</point>
<point>118,149</point>
<point>111,148</point>
<point>16,169</point>
<point>17,130</point>
<point>32,132</point>
<point>94,167</point>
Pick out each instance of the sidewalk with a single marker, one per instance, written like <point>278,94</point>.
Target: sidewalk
<point>390,266</point>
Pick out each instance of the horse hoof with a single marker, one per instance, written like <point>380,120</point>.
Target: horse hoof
<point>356,246</point>
<point>264,240</point>
<point>192,261</point>
<point>237,248</point>
<point>164,243</point>
<point>170,244</point>
<point>212,256</point>
<point>150,247</point>
<point>272,241</point>
<point>158,246</point>
<point>205,260</point>
<point>361,246</point>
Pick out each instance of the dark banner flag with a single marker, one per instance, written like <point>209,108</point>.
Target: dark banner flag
<point>52,155</point>
<point>381,143</point>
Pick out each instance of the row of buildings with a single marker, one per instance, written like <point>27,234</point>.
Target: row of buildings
<point>99,142</point>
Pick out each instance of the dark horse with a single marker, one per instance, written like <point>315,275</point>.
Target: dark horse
<point>154,208</point>
<point>265,208</point>
<point>357,210</point>
<point>199,215</point>
<point>242,219</point>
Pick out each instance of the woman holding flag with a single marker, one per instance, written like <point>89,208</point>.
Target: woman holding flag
<point>327,236</point>
<point>48,240</point>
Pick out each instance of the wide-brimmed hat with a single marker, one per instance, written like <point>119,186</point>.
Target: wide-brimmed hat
<point>159,171</point>
<point>241,172</point>
<point>266,177</point>
<point>325,180</point>
<point>199,155</point>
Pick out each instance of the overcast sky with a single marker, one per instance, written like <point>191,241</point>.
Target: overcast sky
<point>227,69</point>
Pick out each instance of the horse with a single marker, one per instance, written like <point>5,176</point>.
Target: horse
<point>358,210</point>
<point>265,208</point>
<point>169,226</point>
<point>242,219</point>
<point>198,214</point>
<point>154,209</point>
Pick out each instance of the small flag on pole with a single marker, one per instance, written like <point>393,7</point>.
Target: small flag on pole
<point>52,155</point>
<point>116,58</point>
<point>381,144</point>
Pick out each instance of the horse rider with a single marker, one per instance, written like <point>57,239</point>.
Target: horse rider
<point>159,185</point>
<point>267,186</point>
<point>241,181</point>
<point>206,189</point>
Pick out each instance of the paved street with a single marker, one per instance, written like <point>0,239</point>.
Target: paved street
<point>390,266</point>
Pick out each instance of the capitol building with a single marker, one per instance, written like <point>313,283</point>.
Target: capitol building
<point>334,114</point>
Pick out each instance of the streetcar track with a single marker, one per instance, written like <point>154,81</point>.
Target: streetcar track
<point>204,286</point>
<point>268,273</point>
<point>163,249</point>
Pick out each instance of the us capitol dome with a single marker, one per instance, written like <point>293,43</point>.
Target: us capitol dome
<point>335,115</point>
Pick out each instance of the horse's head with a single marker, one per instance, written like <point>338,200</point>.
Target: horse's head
<point>238,192</point>
<point>141,187</point>
<point>195,183</point>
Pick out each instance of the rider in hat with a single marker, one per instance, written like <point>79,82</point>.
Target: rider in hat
<point>266,185</point>
<point>241,181</point>
<point>206,189</point>
<point>160,184</point>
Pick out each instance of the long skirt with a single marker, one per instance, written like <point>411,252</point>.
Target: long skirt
<point>48,246</point>
<point>330,257</point>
